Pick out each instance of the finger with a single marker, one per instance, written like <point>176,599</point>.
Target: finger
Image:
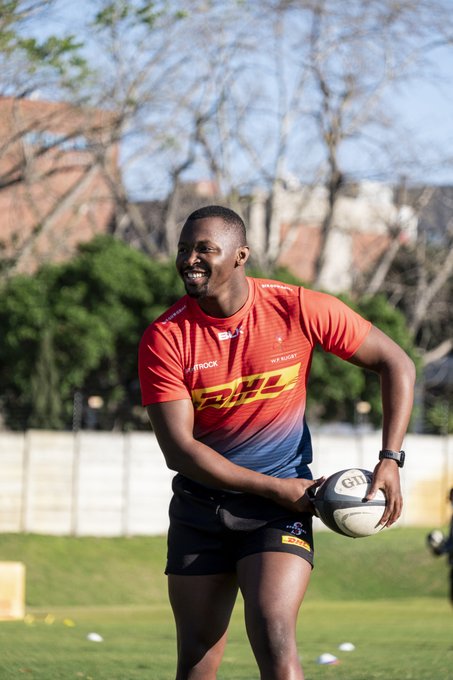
<point>392,511</point>
<point>374,488</point>
<point>317,482</point>
<point>311,487</point>
<point>310,495</point>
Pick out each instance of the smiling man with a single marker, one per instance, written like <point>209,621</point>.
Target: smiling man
<point>212,270</point>
<point>224,376</point>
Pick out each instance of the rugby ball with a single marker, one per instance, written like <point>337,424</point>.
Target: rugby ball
<point>339,503</point>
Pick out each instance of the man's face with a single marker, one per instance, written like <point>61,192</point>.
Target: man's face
<point>207,256</point>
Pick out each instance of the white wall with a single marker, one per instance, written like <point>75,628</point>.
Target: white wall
<point>109,484</point>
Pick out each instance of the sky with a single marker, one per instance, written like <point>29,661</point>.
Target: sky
<point>425,109</point>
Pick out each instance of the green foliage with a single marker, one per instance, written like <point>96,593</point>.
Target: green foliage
<point>44,386</point>
<point>82,321</point>
<point>439,417</point>
<point>392,322</point>
<point>128,13</point>
<point>336,386</point>
<point>60,56</point>
<point>75,327</point>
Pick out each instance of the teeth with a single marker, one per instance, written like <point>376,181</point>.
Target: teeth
<point>194,275</point>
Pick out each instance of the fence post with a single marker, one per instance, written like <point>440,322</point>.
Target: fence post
<point>25,496</point>
<point>125,528</point>
<point>75,482</point>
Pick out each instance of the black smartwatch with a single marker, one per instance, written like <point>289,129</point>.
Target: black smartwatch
<point>397,456</point>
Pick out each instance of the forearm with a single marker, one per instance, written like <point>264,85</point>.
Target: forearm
<point>397,388</point>
<point>173,426</point>
<point>397,375</point>
<point>203,464</point>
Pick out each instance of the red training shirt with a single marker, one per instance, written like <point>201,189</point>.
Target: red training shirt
<point>247,374</point>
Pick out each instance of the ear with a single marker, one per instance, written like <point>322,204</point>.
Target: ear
<point>242,256</point>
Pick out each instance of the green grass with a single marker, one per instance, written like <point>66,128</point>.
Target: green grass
<point>89,571</point>
<point>386,594</point>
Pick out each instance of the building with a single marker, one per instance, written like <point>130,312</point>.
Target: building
<point>363,220</point>
<point>55,159</point>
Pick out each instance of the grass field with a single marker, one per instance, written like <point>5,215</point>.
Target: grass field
<point>385,594</point>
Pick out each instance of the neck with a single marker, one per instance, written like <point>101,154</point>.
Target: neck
<point>227,304</point>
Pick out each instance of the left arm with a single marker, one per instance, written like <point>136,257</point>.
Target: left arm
<point>396,370</point>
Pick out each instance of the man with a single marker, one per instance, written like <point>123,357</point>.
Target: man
<point>441,545</point>
<point>223,376</point>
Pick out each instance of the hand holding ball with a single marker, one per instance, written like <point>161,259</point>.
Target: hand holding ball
<point>339,503</point>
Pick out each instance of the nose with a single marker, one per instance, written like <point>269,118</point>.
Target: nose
<point>191,257</point>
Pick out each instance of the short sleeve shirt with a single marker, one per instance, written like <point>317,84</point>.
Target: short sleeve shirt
<point>247,374</point>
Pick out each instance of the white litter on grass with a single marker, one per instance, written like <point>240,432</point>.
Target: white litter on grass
<point>327,658</point>
<point>346,647</point>
<point>95,637</point>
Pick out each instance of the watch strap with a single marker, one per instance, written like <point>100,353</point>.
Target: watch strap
<point>397,456</point>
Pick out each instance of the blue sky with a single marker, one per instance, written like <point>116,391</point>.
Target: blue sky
<point>425,109</point>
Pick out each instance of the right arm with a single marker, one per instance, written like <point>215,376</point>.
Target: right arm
<point>173,421</point>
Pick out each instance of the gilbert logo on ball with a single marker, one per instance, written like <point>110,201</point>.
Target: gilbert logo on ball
<point>340,504</point>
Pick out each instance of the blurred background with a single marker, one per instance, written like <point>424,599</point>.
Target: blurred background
<point>326,125</point>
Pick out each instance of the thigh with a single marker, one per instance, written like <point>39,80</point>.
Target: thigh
<point>202,607</point>
<point>273,584</point>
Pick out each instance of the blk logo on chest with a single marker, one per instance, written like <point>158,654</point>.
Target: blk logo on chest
<point>229,335</point>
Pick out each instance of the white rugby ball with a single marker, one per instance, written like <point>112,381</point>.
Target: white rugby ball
<point>340,504</point>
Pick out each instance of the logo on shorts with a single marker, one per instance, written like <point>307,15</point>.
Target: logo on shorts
<point>292,540</point>
<point>296,528</point>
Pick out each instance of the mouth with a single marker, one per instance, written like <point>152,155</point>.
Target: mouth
<point>191,276</point>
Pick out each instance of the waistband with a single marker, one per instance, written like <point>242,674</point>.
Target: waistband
<point>181,484</point>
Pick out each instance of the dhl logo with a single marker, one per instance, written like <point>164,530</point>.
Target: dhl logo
<point>246,389</point>
<point>293,540</point>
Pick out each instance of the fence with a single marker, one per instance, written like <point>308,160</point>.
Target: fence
<point>110,484</point>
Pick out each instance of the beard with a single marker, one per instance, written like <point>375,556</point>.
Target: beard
<point>197,292</point>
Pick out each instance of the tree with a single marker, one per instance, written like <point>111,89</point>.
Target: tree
<point>44,391</point>
<point>28,62</point>
<point>420,284</point>
<point>41,180</point>
<point>256,97</point>
<point>81,322</point>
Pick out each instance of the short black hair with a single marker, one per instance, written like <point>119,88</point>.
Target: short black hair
<point>226,214</point>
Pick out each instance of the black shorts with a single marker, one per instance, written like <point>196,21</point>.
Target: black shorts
<point>211,530</point>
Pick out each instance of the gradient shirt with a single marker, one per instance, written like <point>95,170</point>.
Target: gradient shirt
<point>247,374</point>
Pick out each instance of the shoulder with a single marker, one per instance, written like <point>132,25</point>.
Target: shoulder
<point>173,315</point>
<point>324,305</point>
<point>268,289</point>
<point>168,321</point>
